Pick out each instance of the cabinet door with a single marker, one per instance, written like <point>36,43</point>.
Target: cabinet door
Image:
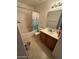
<point>42,37</point>
<point>50,42</point>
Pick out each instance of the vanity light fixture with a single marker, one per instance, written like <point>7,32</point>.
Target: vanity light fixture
<point>57,4</point>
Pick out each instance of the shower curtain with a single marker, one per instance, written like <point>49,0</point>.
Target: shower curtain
<point>35,21</point>
<point>35,25</point>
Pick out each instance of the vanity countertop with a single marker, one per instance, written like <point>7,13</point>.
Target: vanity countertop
<point>53,34</point>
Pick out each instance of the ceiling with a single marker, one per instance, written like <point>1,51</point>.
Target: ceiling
<point>32,2</point>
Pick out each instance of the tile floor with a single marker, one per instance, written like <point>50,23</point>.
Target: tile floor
<point>37,49</point>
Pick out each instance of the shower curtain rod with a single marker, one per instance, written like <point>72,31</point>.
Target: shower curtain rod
<point>27,8</point>
<point>24,8</point>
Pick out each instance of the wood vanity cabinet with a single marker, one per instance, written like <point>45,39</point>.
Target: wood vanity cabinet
<point>49,41</point>
<point>43,37</point>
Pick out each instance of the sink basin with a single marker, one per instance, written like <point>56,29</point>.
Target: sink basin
<point>51,30</point>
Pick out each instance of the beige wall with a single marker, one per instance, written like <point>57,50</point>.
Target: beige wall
<point>43,9</point>
<point>25,5</point>
<point>24,15</point>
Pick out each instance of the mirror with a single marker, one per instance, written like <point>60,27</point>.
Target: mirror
<point>54,19</point>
